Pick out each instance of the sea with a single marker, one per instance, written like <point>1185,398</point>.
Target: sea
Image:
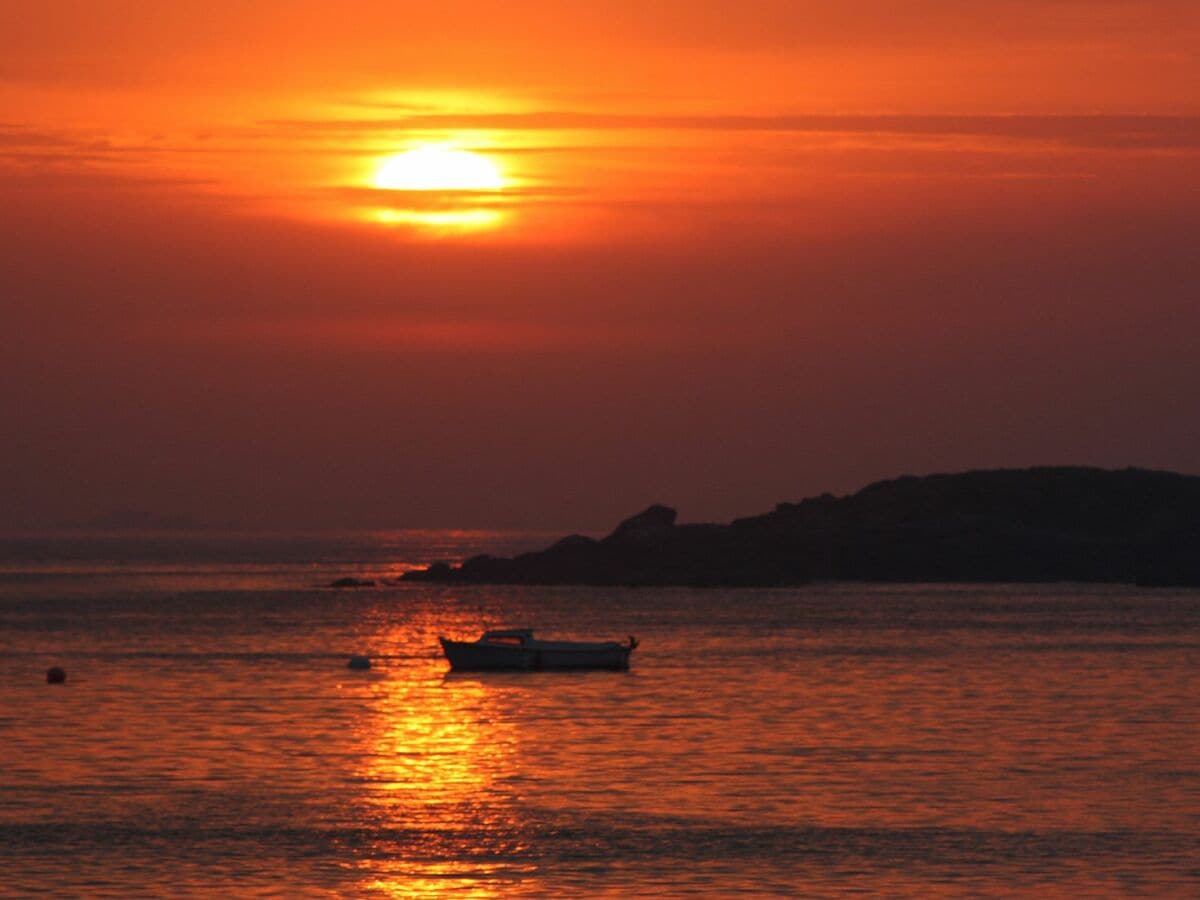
<point>883,740</point>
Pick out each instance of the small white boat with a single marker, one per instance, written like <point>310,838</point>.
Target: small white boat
<point>517,648</point>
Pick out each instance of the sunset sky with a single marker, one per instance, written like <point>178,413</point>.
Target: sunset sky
<point>705,253</point>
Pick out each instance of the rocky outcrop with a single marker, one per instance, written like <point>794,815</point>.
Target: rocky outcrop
<point>1040,524</point>
<point>652,526</point>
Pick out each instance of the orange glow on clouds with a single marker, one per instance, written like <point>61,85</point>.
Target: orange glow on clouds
<point>659,115</point>
<point>952,233</point>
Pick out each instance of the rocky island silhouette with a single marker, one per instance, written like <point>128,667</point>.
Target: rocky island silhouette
<point>1009,525</point>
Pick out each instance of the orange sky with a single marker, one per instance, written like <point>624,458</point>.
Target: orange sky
<point>741,253</point>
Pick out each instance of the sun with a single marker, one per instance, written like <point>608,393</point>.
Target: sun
<point>438,167</point>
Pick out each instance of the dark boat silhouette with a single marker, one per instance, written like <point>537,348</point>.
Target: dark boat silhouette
<point>518,649</point>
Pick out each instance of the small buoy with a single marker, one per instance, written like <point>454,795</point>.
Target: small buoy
<point>360,662</point>
<point>55,675</point>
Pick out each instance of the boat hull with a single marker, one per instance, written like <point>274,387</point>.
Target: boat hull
<point>470,656</point>
<point>532,655</point>
<point>562,656</point>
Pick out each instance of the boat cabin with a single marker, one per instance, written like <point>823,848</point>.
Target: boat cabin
<point>515,636</point>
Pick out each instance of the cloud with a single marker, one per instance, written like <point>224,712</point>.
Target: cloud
<point>1143,132</point>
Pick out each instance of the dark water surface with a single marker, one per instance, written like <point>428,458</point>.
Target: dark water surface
<point>893,740</point>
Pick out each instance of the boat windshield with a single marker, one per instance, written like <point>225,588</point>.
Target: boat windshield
<point>516,638</point>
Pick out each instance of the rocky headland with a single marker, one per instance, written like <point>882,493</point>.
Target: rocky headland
<point>1016,525</point>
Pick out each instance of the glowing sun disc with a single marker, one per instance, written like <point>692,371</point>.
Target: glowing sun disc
<point>438,168</point>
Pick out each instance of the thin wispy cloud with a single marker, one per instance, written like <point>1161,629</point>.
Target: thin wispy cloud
<point>1088,131</point>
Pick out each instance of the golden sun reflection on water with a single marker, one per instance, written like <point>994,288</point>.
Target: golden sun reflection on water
<point>414,880</point>
<point>436,750</point>
<point>438,756</point>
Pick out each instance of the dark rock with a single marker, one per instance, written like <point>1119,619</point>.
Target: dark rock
<point>352,583</point>
<point>572,543</point>
<point>652,525</point>
<point>56,675</point>
<point>442,572</point>
<point>359,662</point>
<point>1040,524</point>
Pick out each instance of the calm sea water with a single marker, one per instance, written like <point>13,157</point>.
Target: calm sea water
<point>914,740</point>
